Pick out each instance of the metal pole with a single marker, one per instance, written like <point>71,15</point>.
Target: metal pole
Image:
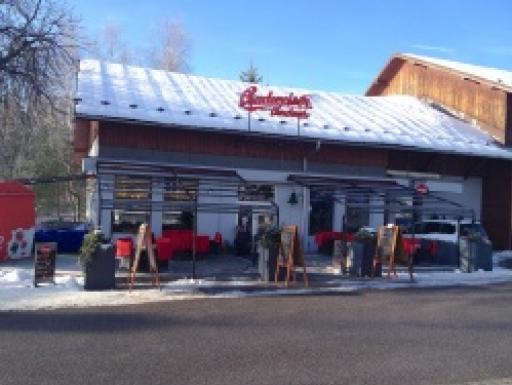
<point>194,232</point>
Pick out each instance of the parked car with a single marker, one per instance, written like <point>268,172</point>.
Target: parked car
<point>446,229</point>
<point>437,240</point>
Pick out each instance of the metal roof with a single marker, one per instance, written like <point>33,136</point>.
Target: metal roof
<point>116,91</point>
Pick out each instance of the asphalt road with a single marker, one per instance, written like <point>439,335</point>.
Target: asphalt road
<point>448,336</point>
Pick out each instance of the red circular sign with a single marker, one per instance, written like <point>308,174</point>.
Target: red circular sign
<point>422,188</point>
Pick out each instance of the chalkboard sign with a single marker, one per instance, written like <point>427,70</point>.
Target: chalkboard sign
<point>389,249</point>
<point>145,242</point>
<point>287,243</point>
<point>386,242</point>
<point>44,262</point>
<point>290,253</point>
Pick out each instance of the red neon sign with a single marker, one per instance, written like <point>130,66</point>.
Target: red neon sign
<point>290,106</point>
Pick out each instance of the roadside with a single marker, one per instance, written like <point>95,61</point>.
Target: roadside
<point>17,291</point>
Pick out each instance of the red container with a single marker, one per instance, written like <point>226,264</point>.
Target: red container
<point>17,220</point>
<point>124,247</point>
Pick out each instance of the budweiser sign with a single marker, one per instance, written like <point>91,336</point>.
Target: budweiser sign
<point>291,106</point>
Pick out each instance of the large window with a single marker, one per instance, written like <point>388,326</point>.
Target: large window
<point>134,196</point>
<point>175,218</point>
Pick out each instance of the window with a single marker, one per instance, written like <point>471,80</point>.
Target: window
<point>125,221</point>
<point>132,188</point>
<point>180,191</point>
<point>256,192</point>
<point>132,214</point>
<point>358,213</point>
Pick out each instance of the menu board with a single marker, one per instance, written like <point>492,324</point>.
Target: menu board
<point>290,253</point>
<point>386,242</point>
<point>388,249</point>
<point>44,262</point>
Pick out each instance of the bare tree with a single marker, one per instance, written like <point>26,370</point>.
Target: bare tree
<point>171,50</point>
<point>36,45</point>
<point>38,48</point>
<point>110,46</point>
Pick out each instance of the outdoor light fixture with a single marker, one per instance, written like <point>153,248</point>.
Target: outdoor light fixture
<point>293,198</point>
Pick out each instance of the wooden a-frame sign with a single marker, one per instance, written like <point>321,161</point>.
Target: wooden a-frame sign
<point>145,242</point>
<point>290,254</point>
<point>388,244</point>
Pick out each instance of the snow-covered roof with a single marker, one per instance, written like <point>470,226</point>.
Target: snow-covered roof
<point>494,75</point>
<point>116,91</point>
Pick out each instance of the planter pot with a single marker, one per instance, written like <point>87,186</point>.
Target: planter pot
<point>267,262</point>
<point>475,254</point>
<point>100,270</point>
<point>484,255</point>
<point>360,259</point>
<point>447,254</point>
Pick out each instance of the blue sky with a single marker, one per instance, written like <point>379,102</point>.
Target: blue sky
<point>323,44</point>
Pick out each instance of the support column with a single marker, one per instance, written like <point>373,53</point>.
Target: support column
<point>376,219</point>
<point>106,188</point>
<point>337,216</point>
<point>157,199</point>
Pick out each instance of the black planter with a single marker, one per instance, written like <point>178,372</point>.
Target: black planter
<point>267,262</point>
<point>484,255</point>
<point>100,269</point>
<point>475,254</point>
<point>360,259</point>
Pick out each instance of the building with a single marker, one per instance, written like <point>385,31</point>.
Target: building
<point>174,149</point>
<point>479,95</point>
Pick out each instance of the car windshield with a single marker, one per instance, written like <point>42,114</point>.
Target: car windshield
<point>434,228</point>
<point>472,228</point>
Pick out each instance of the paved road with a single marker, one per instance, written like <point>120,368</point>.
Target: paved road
<point>448,336</point>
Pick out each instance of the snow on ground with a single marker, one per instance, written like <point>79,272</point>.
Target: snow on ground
<point>17,291</point>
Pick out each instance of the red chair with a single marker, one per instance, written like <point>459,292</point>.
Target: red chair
<point>164,248</point>
<point>124,248</point>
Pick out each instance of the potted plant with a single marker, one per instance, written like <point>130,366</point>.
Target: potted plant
<point>361,253</point>
<point>98,262</point>
<point>268,249</point>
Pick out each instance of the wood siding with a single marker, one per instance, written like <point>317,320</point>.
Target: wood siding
<point>475,98</point>
<point>497,203</point>
<point>238,145</point>
<point>85,133</point>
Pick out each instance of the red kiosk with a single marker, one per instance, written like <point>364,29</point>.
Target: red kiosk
<point>17,220</point>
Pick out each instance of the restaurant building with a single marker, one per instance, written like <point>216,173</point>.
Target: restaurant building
<point>178,150</point>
